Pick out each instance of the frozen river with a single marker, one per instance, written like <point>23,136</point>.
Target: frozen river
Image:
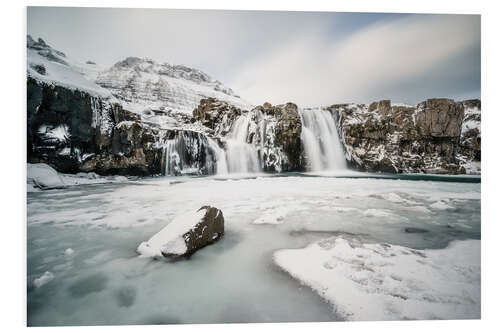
<point>85,237</point>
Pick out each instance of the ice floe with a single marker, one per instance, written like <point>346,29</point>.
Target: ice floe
<point>390,282</point>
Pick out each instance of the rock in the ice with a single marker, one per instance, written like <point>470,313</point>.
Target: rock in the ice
<point>44,279</point>
<point>185,234</point>
<point>44,176</point>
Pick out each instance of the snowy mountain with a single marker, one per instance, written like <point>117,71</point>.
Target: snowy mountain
<point>53,67</point>
<point>150,88</point>
<point>142,86</point>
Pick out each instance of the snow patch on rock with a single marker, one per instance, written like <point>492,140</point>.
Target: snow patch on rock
<point>170,239</point>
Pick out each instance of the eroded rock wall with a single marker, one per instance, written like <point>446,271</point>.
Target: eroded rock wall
<point>427,138</point>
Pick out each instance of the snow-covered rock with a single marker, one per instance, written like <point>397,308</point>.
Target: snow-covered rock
<point>435,136</point>
<point>185,234</point>
<point>44,177</point>
<point>390,282</point>
<point>43,279</point>
<point>470,137</point>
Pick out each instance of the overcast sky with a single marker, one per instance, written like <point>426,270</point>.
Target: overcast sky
<point>308,58</point>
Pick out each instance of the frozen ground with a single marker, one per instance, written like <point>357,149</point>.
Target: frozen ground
<point>102,280</point>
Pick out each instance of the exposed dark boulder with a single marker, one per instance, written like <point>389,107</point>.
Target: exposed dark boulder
<point>186,234</point>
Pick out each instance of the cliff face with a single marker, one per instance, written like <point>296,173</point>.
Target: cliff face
<point>74,131</point>
<point>431,137</point>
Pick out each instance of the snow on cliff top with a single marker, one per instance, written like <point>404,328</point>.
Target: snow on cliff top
<point>51,66</point>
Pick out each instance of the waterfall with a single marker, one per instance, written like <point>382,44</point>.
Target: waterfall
<point>250,146</point>
<point>242,156</point>
<point>193,153</point>
<point>220,155</point>
<point>321,141</point>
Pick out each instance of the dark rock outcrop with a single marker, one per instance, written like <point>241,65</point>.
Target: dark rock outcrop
<point>427,138</point>
<point>470,138</point>
<point>216,115</point>
<point>73,131</point>
<point>287,133</point>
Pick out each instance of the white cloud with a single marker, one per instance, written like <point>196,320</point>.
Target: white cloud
<point>375,61</point>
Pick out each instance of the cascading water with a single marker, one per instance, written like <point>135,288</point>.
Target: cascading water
<point>242,157</point>
<point>193,153</point>
<point>250,146</point>
<point>220,155</point>
<point>321,141</point>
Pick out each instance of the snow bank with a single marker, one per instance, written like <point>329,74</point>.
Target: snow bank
<point>44,279</point>
<point>389,282</point>
<point>43,176</point>
<point>170,239</point>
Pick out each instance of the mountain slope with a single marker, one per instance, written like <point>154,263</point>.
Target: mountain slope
<point>146,87</point>
<point>48,65</point>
